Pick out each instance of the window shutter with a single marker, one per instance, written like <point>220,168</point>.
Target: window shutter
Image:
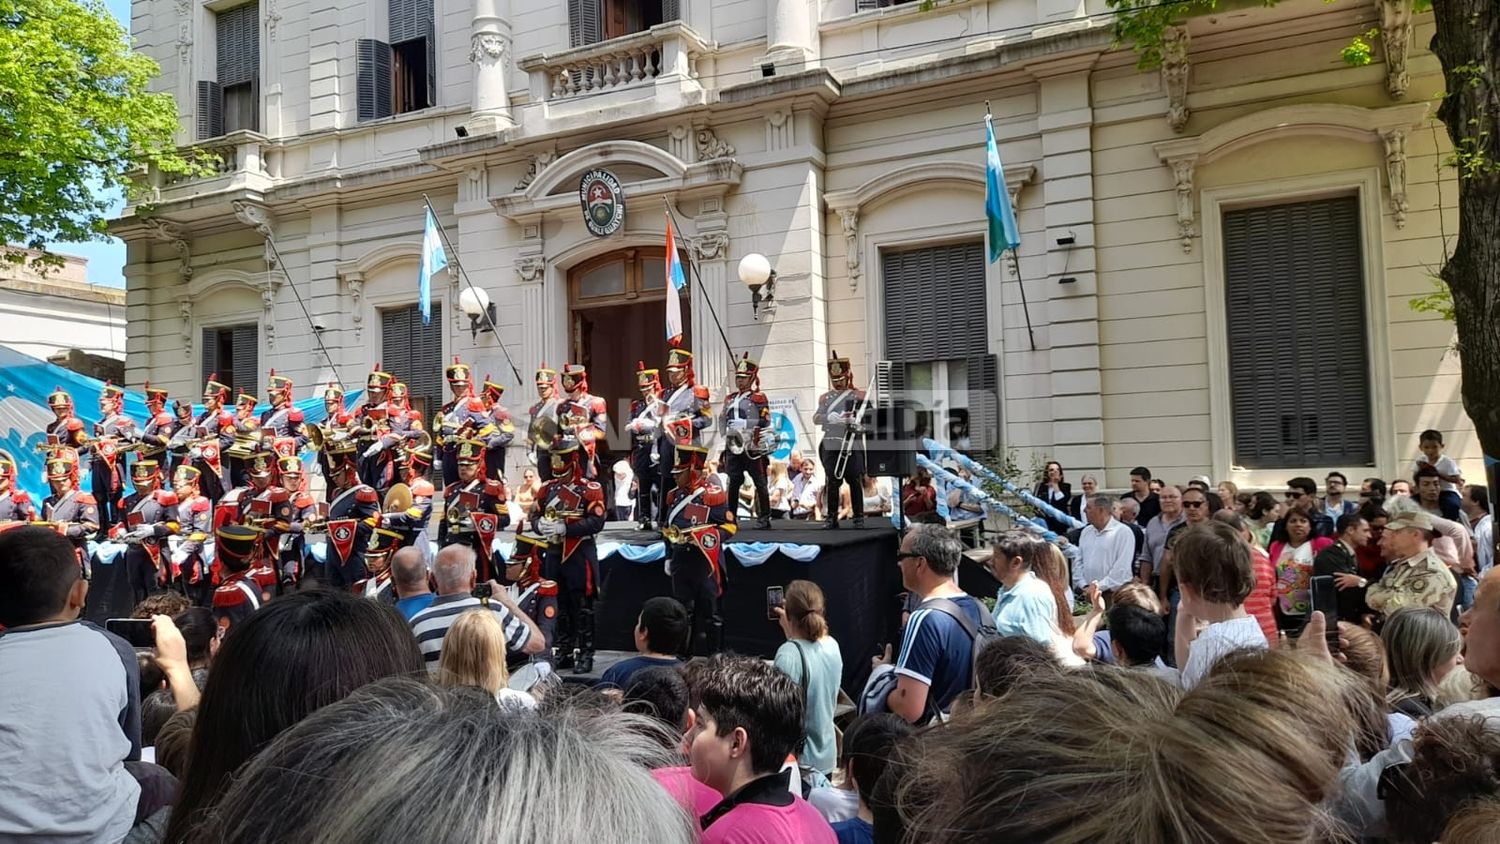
<point>407,21</point>
<point>890,380</point>
<point>431,62</point>
<point>246,340</point>
<point>671,10</point>
<point>425,376</point>
<point>984,402</point>
<point>238,37</point>
<point>585,22</point>
<point>866,5</point>
<point>935,303</point>
<point>210,110</point>
<point>209,350</point>
<point>1295,302</point>
<point>373,78</point>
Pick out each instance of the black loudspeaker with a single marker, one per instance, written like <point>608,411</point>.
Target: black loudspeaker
<point>893,447</point>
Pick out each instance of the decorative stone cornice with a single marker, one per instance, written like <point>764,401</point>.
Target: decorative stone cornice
<point>1395,35</point>
<point>711,246</point>
<point>531,268</point>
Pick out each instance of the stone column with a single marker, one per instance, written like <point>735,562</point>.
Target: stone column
<point>489,41</point>
<point>790,41</point>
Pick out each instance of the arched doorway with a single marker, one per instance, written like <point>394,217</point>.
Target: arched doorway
<point>617,308</point>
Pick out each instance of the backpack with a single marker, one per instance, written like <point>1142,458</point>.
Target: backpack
<point>981,635</point>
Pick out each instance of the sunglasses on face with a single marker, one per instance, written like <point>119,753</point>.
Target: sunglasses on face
<point>1187,503</point>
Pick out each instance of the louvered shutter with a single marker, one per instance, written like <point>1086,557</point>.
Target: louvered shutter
<point>209,353</point>
<point>671,10</point>
<point>246,344</point>
<point>424,378</point>
<point>984,403</point>
<point>373,78</point>
<point>431,60</point>
<point>210,115</point>
<point>585,22</point>
<point>866,5</point>
<point>1295,306</point>
<point>407,21</point>
<point>935,303</point>
<point>238,37</point>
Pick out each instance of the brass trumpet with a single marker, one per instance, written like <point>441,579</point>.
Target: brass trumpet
<point>675,535</point>
<point>554,514</point>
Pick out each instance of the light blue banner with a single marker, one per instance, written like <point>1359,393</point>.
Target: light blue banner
<point>25,383</point>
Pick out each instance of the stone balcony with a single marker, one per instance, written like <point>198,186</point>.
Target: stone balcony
<point>662,68</point>
<point>237,162</point>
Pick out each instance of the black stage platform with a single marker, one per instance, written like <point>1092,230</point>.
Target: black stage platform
<point>855,568</point>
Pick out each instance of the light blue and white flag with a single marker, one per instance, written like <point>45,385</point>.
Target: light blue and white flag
<point>434,260</point>
<point>1004,234</point>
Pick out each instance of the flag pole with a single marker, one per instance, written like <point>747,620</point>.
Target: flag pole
<point>693,266</point>
<point>993,185</point>
<point>317,335</point>
<point>1015,263</point>
<point>453,259</point>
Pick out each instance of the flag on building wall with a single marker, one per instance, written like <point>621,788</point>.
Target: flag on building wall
<point>434,260</point>
<point>1004,233</point>
<point>676,281</point>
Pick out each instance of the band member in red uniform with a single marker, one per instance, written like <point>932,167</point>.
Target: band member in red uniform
<point>339,427</point>
<point>749,439</point>
<point>268,509</point>
<point>65,429</point>
<point>146,517</point>
<point>542,424</point>
<point>476,509</point>
<point>460,418</point>
<point>837,412</point>
<point>113,432</point>
<point>650,452</point>
<point>157,433</point>
<point>569,510</point>
<point>246,438</point>
<point>283,422</point>
<point>304,509</point>
<point>15,503</point>
<point>584,416</point>
<point>73,512</point>
<point>352,517</point>
<point>501,430</point>
<point>411,523</point>
<point>238,595</point>
<point>537,597</point>
<point>379,585</point>
<point>376,466</point>
<point>215,423</point>
<point>188,530</point>
<point>689,410</point>
<point>698,520</point>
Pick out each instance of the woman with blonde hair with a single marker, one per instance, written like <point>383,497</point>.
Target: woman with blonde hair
<point>811,657</point>
<point>1051,567</point>
<point>1421,648</point>
<point>474,655</point>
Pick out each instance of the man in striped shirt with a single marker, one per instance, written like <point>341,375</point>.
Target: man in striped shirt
<point>454,572</point>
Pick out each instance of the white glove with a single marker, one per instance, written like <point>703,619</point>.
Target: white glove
<point>179,557</point>
<point>143,532</point>
<point>374,449</point>
<point>531,457</point>
<point>738,424</point>
<point>552,527</point>
<point>195,453</point>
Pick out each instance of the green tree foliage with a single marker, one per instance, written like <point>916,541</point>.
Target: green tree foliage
<point>75,119</point>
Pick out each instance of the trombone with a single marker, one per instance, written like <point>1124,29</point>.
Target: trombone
<point>847,446</point>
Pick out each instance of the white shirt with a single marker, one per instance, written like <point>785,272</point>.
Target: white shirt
<point>1105,555</point>
<point>1217,641</point>
<point>1484,543</point>
<point>1445,466</point>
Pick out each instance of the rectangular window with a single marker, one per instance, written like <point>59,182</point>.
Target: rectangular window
<point>1298,348</point>
<point>231,102</point>
<point>232,352</point>
<point>936,328</point>
<point>592,21</point>
<point>398,75</point>
<point>413,352</point>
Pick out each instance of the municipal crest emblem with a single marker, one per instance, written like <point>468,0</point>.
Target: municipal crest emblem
<point>709,540</point>
<point>603,202</point>
<point>343,533</point>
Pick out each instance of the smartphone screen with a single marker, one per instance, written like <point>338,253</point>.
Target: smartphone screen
<point>136,631</point>
<point>1325,599</point>
<point>775,596</point>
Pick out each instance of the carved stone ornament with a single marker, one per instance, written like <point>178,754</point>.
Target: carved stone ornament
<point>273,17</point>
<point>1182,177</point>
<point>711,246</point>
<point>169,233</point>
<point>849,217</point>
<point>486,46</point>
<point>185,311</point>
<point>259,219</point>
<point>268,320</point>
<point>539,162</point>
<point>710,147</point>
<point>184,40</point>
<point>529,268</point>
<point>1395,34</point>
<point>356,284</point>
<point>1174,75</point>
<point>1395,171</point>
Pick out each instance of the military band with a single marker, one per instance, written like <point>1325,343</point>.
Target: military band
<point>235,550</point>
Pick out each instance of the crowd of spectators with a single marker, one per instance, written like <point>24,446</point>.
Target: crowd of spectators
<point>1207,693</point>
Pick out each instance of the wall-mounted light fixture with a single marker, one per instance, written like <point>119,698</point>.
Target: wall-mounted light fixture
<point>476,303</point>
<point>756,273</point>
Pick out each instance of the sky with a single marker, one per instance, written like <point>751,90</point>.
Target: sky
<point>106,257</point>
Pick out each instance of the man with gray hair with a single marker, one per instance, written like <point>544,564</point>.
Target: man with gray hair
<point>454,572</point>
<point>935,662</point>
<point>409,574</point>
<point>1106,549</point>
<point>1126,510</point>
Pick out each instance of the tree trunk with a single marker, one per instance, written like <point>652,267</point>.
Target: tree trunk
<point>1467,43</point>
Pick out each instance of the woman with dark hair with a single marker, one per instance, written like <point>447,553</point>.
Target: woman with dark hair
<point>1263,511</point>
<point>1057,492</point>
<point>1293,557</point>
<point>285,661</point>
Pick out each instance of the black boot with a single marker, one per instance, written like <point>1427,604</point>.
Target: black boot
<point>831,524</point>
<point>643,524</point>
<point>859,522</point>
<point>763,523</point>
<point>585,641</point>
